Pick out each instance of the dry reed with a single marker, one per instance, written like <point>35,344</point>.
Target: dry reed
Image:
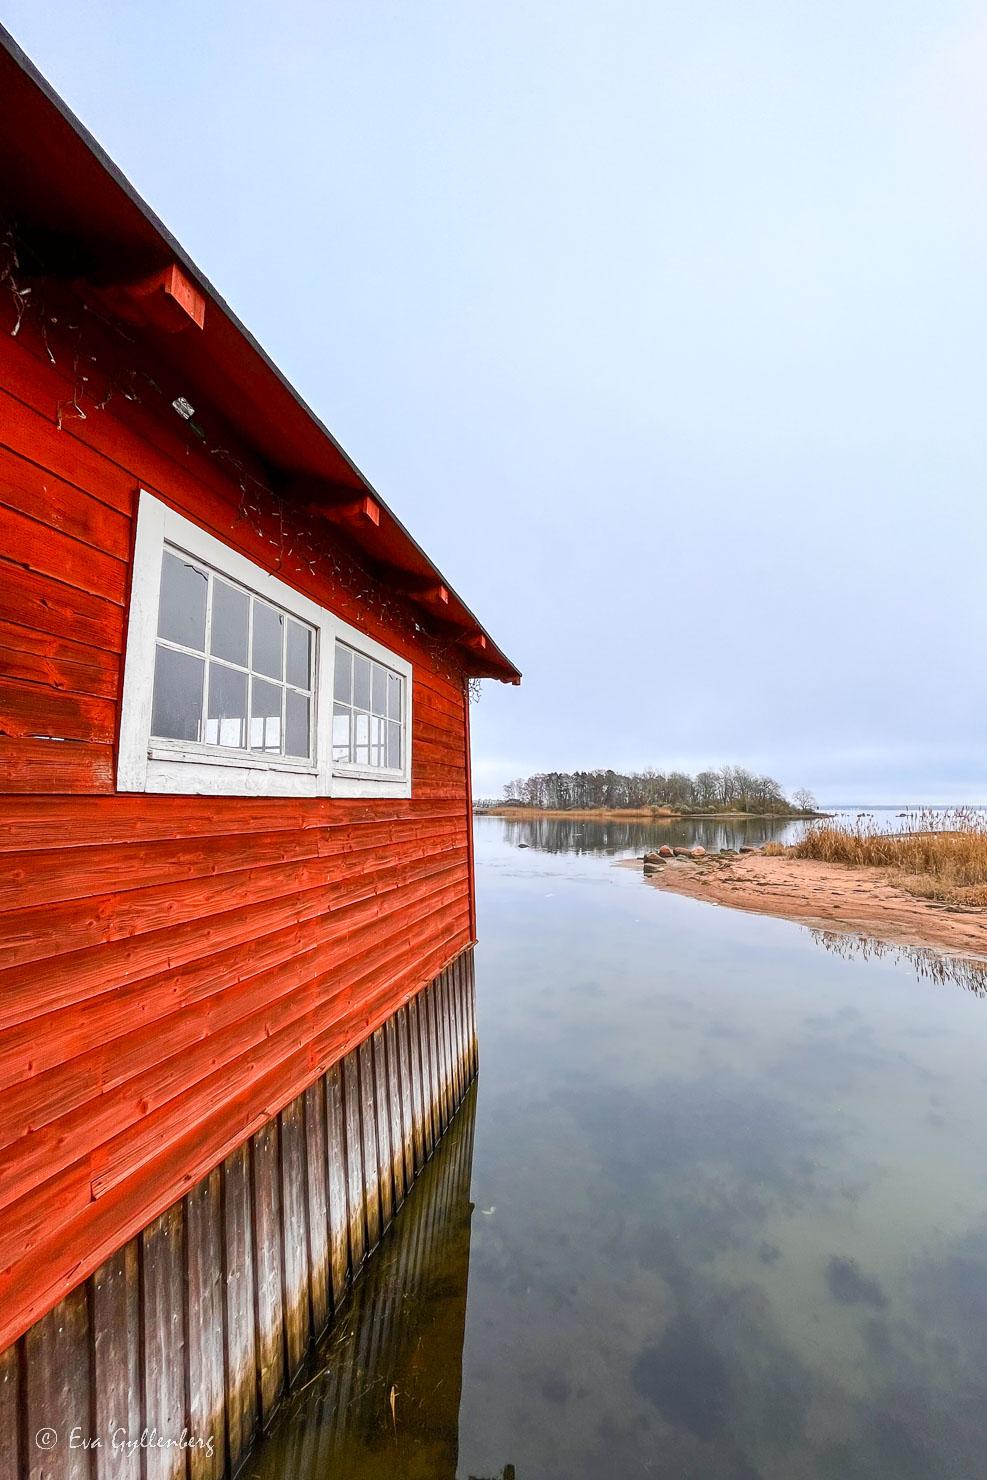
<point>937,855</point>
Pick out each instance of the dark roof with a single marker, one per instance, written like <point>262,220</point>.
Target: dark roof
<point>59,185</point>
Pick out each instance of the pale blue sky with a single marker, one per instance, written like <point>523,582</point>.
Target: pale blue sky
<point>663,327</point>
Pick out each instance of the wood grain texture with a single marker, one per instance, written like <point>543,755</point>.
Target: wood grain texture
<point>295,1266</point>
<point>268,1272</point>
<point>337,1182</point>
<point>165,1342</point>
<point>239,1307</point>
<point>114,1297</point>
<point>10,1408</point>
<point>317,1205</point>
<point>206,1346</point>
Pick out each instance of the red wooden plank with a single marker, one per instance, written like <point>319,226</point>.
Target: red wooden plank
<point>32,765</point>
<point>186,1002</point>
<point>45,551</point>
<point>31,656</point>
<point>48,932</point>
<point>149,1100</point>
<point>48,606</point>
<point>28,711</point>
<point>27,489</point>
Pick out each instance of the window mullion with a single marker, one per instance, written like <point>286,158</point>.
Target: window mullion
<point>207,644</point>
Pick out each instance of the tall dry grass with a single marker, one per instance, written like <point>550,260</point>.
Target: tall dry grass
<point>938,855</point>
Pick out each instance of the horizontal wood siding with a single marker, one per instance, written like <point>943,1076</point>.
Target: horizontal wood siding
<point>175,970</point>
<point>199,1326</point>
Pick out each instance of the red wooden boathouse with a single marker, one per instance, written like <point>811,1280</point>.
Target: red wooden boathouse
<point>236,1004</point>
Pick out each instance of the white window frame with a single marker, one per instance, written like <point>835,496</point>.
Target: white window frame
<point>146,764</point>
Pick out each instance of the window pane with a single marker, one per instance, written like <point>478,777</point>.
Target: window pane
<point>296,740</point>
<point>177,711</point>
<point>341,734</point>
<point>299,656</point>
<point>393,696</point>
<point>182,608</point>
<point>376,740</point>
<point>268,629</point>
<point>361,682</point>
<point>343,681</point>
<point>226,710</point>
<point>379,705</point>
<point>228,628</point>
<point>361,737</point>
<point>394,745</point>
<point>265,716</point>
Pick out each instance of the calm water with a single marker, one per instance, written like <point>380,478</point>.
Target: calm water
<point>717,1207</point>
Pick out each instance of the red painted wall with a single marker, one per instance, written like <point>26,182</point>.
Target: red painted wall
<point>173,970</point>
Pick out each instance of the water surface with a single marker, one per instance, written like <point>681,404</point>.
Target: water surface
<point>727,1214</point>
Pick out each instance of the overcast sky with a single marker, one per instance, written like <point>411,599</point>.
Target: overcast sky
<point>662,325</point>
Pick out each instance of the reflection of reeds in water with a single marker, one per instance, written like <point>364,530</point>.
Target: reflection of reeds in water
<point>381,1397</point>
<point>928,965</point>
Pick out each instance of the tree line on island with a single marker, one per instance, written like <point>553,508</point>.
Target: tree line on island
<point>731,789</point>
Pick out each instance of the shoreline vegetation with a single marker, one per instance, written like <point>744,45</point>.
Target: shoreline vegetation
<point>731,793</point>
<point>925,886</point>
<point>640,814</point>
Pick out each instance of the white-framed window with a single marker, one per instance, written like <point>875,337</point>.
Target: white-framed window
<point>231,674</point>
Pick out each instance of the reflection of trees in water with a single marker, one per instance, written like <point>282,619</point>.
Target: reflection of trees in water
<point>562,835</point>
<point>381,1397</point>
<point>928,965</point>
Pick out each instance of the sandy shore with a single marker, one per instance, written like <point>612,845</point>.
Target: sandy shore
<point>829,896</point>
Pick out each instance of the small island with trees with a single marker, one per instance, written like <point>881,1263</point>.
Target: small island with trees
<point>731,791</point>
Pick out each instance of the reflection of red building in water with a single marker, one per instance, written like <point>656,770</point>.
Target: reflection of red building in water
<point>383,1399</point>
<point>236,974</point>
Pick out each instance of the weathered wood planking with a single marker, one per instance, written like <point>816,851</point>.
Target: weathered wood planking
<point>165,1355</point>
<point>10,1409</point>
<point>206,1353</point>
<point>354,1161</point>
<point>114,1302</point>
<point>317,1192</point>
<point>57,1393</point>
<point>295,1264</point>
<point>239,1308</point>
<point>382,1120</point>
<point>337,1171</point>
<point>201,1323</point>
